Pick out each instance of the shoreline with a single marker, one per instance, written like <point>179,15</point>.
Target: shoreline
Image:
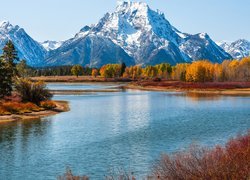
<point>62,106</point>
<point>234,91</point>
<point>80,92</point>
<point>79,79</point>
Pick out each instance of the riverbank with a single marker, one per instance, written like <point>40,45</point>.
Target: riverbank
<point>217,88</point>
<point>74,79</point>
<point>61,106</point>
<point>80,92</point>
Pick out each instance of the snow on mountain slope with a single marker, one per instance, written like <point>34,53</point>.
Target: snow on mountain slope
<point>90,50</point>
<point>51,45</point>
<point>27,48</point>
<point>140,31</point>
<point>201,46</point>
<point>133,33</point>
<point>237,49</point>
<point>148,37</point>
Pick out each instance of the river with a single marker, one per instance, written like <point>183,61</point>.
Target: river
<point>109,130</point>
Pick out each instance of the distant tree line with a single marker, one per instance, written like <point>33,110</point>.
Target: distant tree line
<point>197,71</point>
<point>27,71</point>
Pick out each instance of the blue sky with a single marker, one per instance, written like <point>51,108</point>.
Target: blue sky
<point>62,19</point>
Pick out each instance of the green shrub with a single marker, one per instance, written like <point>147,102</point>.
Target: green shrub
<point>34,92</point>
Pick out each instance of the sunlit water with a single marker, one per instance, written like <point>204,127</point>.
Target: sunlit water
<point>126,130</point>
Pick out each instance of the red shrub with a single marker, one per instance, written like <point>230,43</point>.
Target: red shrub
<point>229,162</point>
<point>69,176</point>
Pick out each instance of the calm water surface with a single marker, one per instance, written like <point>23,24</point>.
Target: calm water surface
<point>127,129</point>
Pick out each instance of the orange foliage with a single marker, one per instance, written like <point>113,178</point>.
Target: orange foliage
<point>7,108</point>
<point>94,72</point>
<point>48,104</point>
<point>229,162</point>
<point>111,70</point>
<point>197,71</point>
<point>134,72</point>
<point>200,71</point>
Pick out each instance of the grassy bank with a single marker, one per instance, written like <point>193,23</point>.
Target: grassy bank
<point>222,88</point>
<point>32,112</point>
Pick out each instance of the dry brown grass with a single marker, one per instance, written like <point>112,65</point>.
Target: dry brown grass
<point>8,108</point>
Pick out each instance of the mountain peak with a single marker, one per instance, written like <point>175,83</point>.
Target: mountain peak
<point>204,35</point>
<point>51,45</point>
<point>7,26</point>
<point>27,48</point>
<point>241,42</point>
<point>126,5</point>
<point>237,49</point>
<point>4,24</point>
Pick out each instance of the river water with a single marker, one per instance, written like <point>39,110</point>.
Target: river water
<point>110,130</point>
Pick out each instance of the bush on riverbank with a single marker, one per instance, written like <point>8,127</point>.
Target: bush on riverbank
<point>69,176</point>
<point>34,92</point>
<point>229,162</point>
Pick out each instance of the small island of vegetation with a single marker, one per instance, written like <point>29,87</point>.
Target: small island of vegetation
<point>20,98</point>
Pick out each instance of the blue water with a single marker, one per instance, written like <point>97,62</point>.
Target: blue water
<point>126,130</point>
<point>82,86</point>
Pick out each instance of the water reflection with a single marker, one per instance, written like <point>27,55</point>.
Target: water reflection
<point>193,96</point>
<point>17,144</point>
<point>125,129</point>
<point>25,129</point>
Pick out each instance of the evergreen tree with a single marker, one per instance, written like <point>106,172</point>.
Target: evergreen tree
<point>123,68</point>
<point>2,78</point>
<point>7,68</point>
<point>10,55</point>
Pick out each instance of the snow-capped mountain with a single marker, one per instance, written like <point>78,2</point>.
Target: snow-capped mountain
<point>133,33</point>
<point>51,45</point>
<point>27,48</point>
<point>145,35</point>
<point>237,49</point>
<point>201,46</point>
<point>90,50</point>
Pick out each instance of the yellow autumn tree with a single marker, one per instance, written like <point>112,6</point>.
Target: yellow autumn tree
<point>111,70</point>
<point>179,72</point>
<point>244,69</point>
<point>218,73</point>
<point>233,70</point>
<point>200,71</point>
<point>94,72</point>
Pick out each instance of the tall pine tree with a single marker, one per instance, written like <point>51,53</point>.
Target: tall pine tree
<point>7,68</point>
